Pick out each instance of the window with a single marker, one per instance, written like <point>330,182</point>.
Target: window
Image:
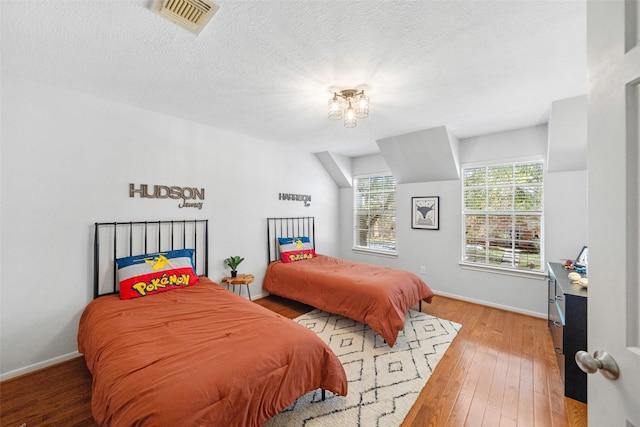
<point>503,215</point>
<point>375,213</point>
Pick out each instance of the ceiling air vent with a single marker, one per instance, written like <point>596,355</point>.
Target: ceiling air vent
<point>193,15</point>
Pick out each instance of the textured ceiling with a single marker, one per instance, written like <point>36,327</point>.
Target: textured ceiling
<point>266,68</point>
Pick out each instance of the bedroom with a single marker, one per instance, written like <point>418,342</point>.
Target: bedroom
<point>68,157</point>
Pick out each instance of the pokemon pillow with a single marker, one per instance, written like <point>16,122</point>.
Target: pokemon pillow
<point>295,248</point>
<point>149,274</point>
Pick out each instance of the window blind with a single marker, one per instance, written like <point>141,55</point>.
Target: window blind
<point>503,215</point>
<point>375,213</point>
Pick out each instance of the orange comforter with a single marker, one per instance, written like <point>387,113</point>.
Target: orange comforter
<point>371,294</point>
<point>199,356</point>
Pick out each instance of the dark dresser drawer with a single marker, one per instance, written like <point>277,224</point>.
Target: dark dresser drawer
<point>567,319</point>
<point>556,326</point>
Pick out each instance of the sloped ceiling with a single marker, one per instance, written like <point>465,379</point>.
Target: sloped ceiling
<point>267,68</point>
<point>338,167</point>
<point>423,156</point>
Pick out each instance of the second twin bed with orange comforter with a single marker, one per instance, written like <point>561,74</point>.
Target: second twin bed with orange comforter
<point>371,294</point>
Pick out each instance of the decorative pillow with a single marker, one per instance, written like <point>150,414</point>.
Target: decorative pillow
<point>296,248</point>
<point>149,274</point>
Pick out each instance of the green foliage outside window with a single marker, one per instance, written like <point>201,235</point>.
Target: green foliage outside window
<point>375,212</point>
<point>503,211</point>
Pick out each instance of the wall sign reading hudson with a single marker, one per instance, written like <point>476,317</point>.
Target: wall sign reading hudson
<point>164,192</point>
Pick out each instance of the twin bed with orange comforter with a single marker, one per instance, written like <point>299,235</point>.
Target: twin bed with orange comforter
<point>375,295</point>
<point>198,356</point>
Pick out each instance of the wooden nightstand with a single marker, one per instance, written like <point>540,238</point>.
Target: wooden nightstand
<point>240,279</point>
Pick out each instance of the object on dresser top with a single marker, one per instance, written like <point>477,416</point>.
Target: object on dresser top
<point>574,277</point>
<point>582,259</point>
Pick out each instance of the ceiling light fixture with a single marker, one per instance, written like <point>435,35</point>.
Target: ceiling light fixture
<point>349,104</point>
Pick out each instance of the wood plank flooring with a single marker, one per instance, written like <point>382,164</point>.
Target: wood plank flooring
<point>500,371</point>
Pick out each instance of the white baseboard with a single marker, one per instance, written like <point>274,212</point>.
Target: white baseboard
<point>261,295</point>
<point>39,365</point>
<point>490,304</point>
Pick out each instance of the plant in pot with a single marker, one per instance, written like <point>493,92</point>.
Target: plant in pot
<point>233,262</point>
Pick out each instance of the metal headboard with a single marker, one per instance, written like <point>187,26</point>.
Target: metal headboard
<point>288,227</point>
<point>114,240</point>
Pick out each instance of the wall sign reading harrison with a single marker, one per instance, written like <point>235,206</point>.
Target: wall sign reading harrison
<point>306,198</point>
<point>164,192</point>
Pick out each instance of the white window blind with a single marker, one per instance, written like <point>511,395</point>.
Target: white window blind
<point>503,215</point>
<point>375,213</point>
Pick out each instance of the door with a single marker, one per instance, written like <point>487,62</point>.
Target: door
<point>613,47</point>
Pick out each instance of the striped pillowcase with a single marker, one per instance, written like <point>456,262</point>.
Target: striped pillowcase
<point>296,248</point>
<point>149,274</point>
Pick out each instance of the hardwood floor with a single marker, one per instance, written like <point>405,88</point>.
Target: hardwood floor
<point>500,371</point>
<point>59,395</point>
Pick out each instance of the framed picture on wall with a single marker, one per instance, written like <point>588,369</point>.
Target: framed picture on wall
<point>425,213</point>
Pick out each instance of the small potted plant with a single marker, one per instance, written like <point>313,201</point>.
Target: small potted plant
<point>233,262</point>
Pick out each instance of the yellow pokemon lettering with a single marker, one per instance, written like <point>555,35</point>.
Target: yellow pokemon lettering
<point>298,257</point>
<point>144,288</point>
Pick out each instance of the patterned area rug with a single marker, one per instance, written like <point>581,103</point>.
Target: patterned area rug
<point>384,382</point>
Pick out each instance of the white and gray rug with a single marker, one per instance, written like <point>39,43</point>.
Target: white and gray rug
<point>384,382</point>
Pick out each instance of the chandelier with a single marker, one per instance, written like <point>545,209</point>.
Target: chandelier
<point>349,104</point>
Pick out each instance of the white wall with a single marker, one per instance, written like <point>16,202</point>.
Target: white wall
<point>440,250</point>
<point>568,135</point>
<point>67,160</point>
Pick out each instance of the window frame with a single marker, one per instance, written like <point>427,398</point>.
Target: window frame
<point>368,249</point>
<point>500,268</point>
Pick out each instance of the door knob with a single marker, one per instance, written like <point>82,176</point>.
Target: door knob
<point>601,360</point>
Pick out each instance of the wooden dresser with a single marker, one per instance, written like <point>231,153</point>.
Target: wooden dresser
<point>568,325</point>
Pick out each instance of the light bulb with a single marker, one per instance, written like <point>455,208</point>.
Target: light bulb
<point>335,108</point>
<point>362,106</point>
<point>350,113</point>
<point>349,117</point>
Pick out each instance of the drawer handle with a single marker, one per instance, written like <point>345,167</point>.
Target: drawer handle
<point>558,350</point>
<point>557,324</point>
<point>560,298</point>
